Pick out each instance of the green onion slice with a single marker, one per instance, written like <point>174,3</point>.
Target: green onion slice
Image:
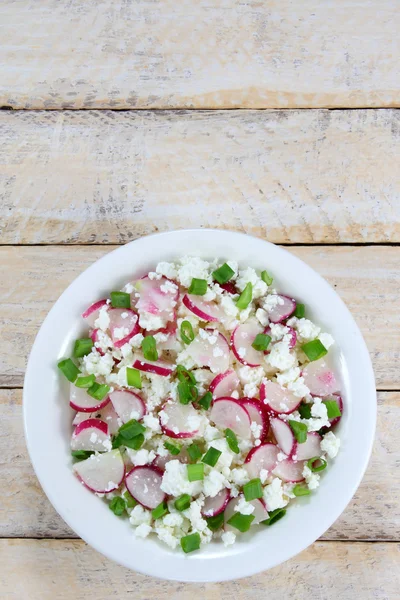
<point>98,390</point>
<point>332,408</point>
<point>194,452</point>
<point>299,311</point>
<point>305,410</point>
<point>131,429</point>
<point>117,505</point>
<point>134,443</point>
<point>314,350</point>
<point>198,287</point>
<point>191,542</point>
<point>134,378</point>
<point>85,382</point>
<point>316,464</point>
<point>187,392</point>
<point>223,274</point>
<point>253,489</point>
<point>185,375</point>
<point>81,454</point>
<point>266,277</point>
<point>211,456</point>
<point>187,333</point>
<point>241,522</point>
<point>82,347</point>
<point>215,522</point>
<point>120,300</point>
<point>245,297</point>
<point>149,348</point>
<point>160,510</point>
<point>232,440</point>
<point>195,472</point>
<point>69,369</point>
<point>261,342</point>
<point>172,449</point>
<point>301,490</point>
<point>130,500</point>
<point>182,502</point>
<point>274,516</point>
<point>205,401</point>
<point>299,430</point>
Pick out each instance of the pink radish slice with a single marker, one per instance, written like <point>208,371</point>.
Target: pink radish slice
<point>339,401</point>
<point>283,310</point>
<point>291,332</point>
<point>206,311</point>
<point>106,414</point>
<point>128,405</point>
<point>310,448</point>
<point>319,378</point>
<point>80,400</point>
<point>101,473</point>
<point>257,414</point>
<point>161,461</point>
<point>91,434</point>
<point>289,470</point>
<point>157,297</point>
<point>224,384</point>
<point>260,513</point>
<point>91,314</point>
<point>241,341</point>
<point>216,505</point>
<point>123,319</point>
<point>144,484</point>
<point>214,355</point>
<point>277,398</point>
<point>284,436</point>
<point>159,367</point>
<point>230,511</point>
<point>264,457</point>
<point>229,287</point>
<point>229,413</point>
<point>175,419</point>
<point>94,337</point>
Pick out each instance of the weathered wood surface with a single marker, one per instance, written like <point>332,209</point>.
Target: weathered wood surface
<point>48,569</point>
<point>290,176</point>
<point>367,278</point>
<point>221,54</point>
<point>373,514</point>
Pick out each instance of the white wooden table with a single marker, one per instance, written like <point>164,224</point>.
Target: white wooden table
<point>78,176</point>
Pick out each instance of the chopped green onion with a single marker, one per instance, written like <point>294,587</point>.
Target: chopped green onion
<point>274,516</point>
<point>205,401</point>
<point>299,311</point>
<point>120,300</point>
<point>332,408</point>
<point>261,341</point>
<point>190,542</point>
<point>241,522</point>
<point>314,350</point>
<point>117,505</point>
<point>232,440</point>
<point>131,429</point>
<point>245,297</point>
<point>134,443</point>
<point>305,410</point>
<point>85,382</point>
<point>223,274</point>
<point>198,287</point>
<point>82,347</point>
<point>130,500</point>
<point>194,452</point>
<point>266,277</point>
<point>149,348</point>
<point>187,333</point>
<point>313,465</point>
<point>133,378</point>
<point>185,375</point>
<point>172,449</point>
<point>301,490</point>
<point>183,502</point>
<point>186,392</point>
<point>215,522</point>
<point>253,489</point>
<point>211,456</point>
<point>81,454</point>
<point>98,390</point>
<point>299,430</point>
<point>160,510</point>
<point>195,472</point>
<point>69,369</point>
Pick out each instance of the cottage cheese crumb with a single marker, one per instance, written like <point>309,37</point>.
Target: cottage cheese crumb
<point>330,444</point>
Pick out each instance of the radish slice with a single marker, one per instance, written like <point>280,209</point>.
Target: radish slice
<point>284,436</point>
<point>123,325</point>
<point>339,401</point>
<point>91,434</point>
<point>230,511</point>
<point>128,405</point>
<point>157,297</point>
<point>216,505</point>
<point>289,470</point>
<point>206,311</point>
<point>310,448</point>
<point>319,378</point>
<point>210,349</point>
<point>159,367</point>
<point>283,310</point>
<point>94,337</point>
<point>241,341</point>
<point>80,400</point>
<point>260,513</point>
<point>179,420</point>
<point>101,473</point>
<point>291,332</point>
<point>106,414</point>
<point>229,413</point>
<point>277,398</point>
<point>224,384</point>
<point>257,415</point>
<point>161,461</point>
<point>144,484</point>
<point>91,314</point>
<point>264,457</point>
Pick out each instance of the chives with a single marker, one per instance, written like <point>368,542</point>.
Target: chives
<point>117,505</point>
<point>194,452</point>
<point>241,522</point>
<point>316,464</point>
<point>69,369</point>
<point>314,350</point>
<point>190,542</point>
<point>183,502</point>
<point>332,409</point>
<point>245,297</point>
<point>301,490</point>
<point>130,500</point>
<point>305,411</point>
<point>223,274</point>
<point>98,390</point>
<point>160,510</point>
<point>261,341</point>
<point>186,392</point>
<point>81,454</point>
<point>82,347</point>
<point>134,443</point>
<point>211,456</point>
<point>187,333</point>
<point>266,277</point>
<point>85,382</point>
<point>149,348</point>
<point>172,449</point>
<point>205,401</point>
<point>131,429</point>
<point>299,430</point>
<point>120,300</point>
<point>274,516</point>
<point>299,311</point>
<point>198,287</point>
<point>195,472</point>
<point>185,375</point>
<point>252,489</point>
<point>133,378</point>
<point>232,440</point>
<point>215,522</point>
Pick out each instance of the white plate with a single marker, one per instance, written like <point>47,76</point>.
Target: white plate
<point>48,416</point>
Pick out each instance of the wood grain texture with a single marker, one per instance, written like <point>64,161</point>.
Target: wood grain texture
<point>367,278</point>
<point>373,514</point>
<point>290,176</point>
<point>199,54</point>
<point>48,569</point>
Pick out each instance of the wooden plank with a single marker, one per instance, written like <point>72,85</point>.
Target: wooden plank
<point>290,176</point>
<point>367,278</point>
<point>65,569</point>
<point>373,514</point>
<point>199,54</point>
